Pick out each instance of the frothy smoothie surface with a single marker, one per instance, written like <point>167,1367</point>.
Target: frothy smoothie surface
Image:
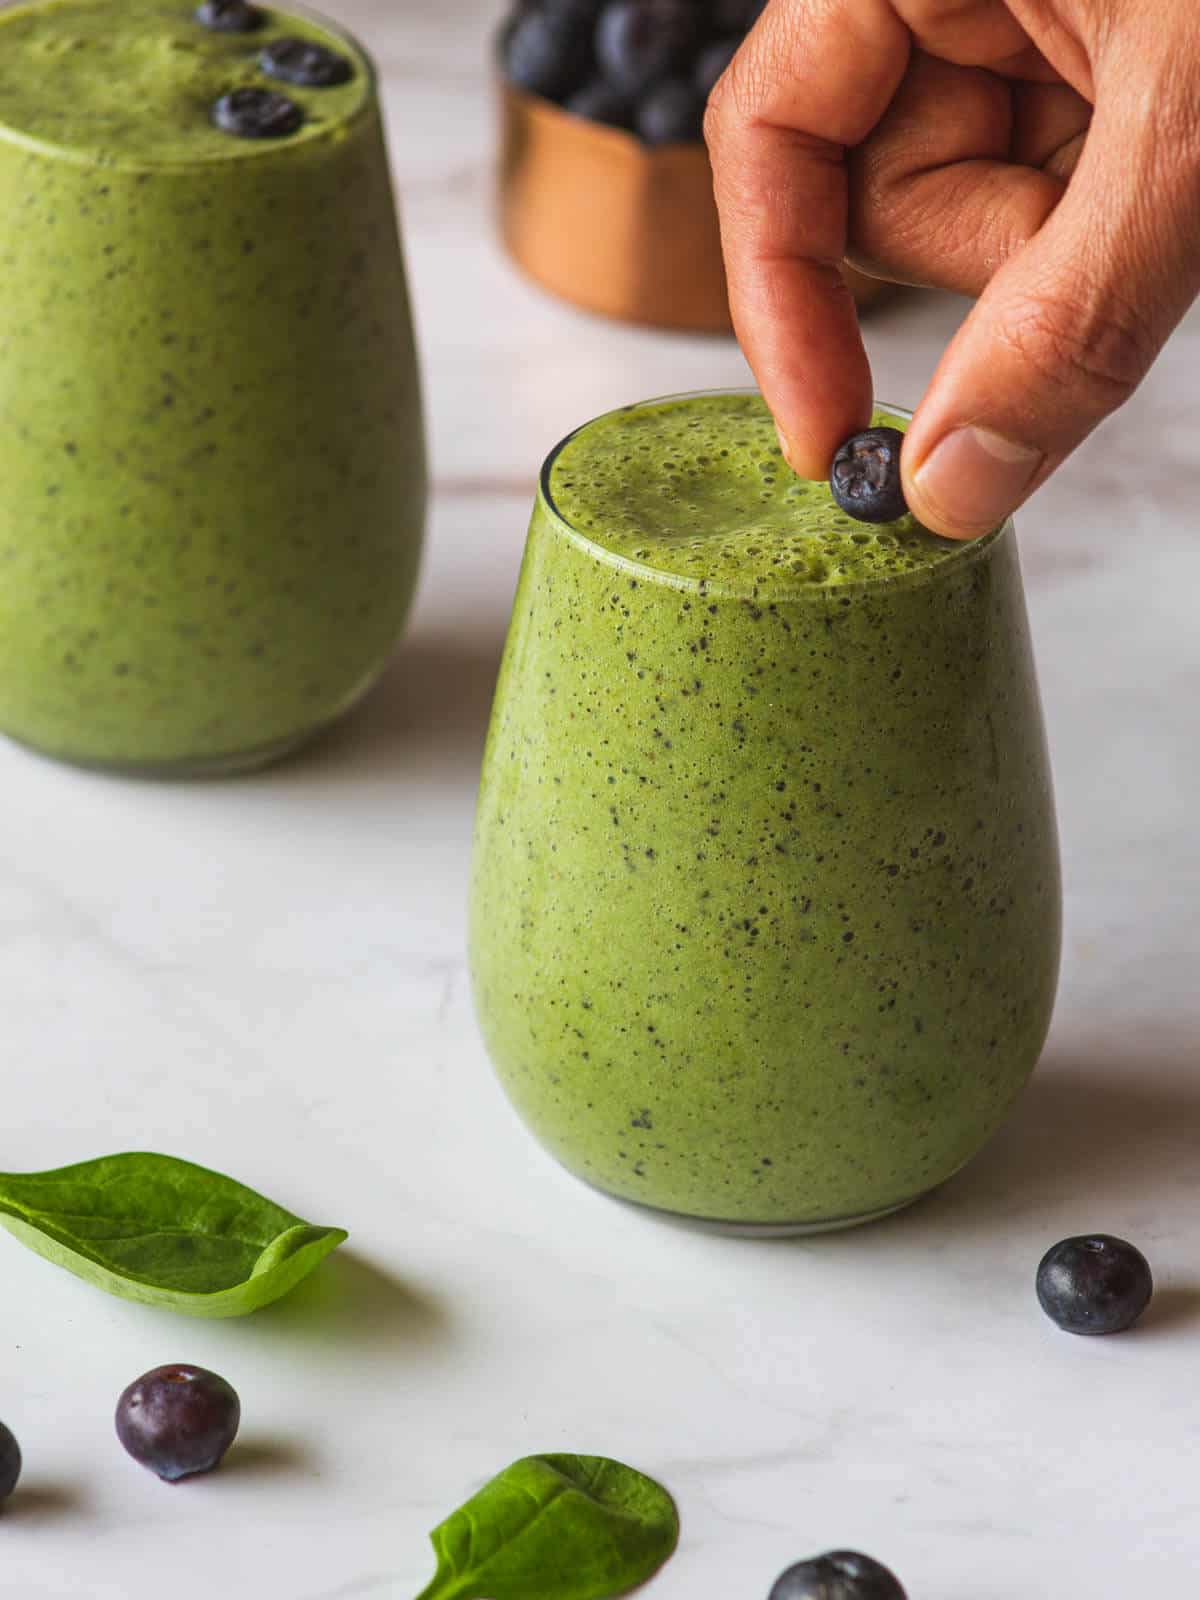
<point>135,83</point>
<point>698,487</point>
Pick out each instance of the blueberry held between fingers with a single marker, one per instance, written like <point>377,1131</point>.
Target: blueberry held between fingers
<point>10,1463</point>
<point>305,63</point>
<point>178,1420</point>
<point>548,54</point>
<point>257,114</point>
<point>670,113</point>
<point>641,42</point>
<point>838,1575</point>
<point>865,476</point>
<point>229,16</point>
<point>1094,1283</point>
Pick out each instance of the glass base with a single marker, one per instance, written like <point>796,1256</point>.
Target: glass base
<point>761,1230</point>
<point>227,765</point>
<point>219,766</point>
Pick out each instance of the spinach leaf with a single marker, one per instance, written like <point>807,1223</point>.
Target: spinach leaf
<point>555,1527</point>
<point>165,1232</point>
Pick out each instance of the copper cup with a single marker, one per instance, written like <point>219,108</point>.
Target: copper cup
<point>604,221</point>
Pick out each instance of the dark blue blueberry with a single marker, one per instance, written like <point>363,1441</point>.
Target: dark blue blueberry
<point>735,16</point>
<point>178,1420</point>
<point>549,55</point>
<point>865,476</point>
<point>229,16</point>
<point>839,1575</point>
<point>601,101</point>
<point>1094,1284</point>
<point>578,13</point>
<point>257,114</point>
<point>10,1463</point>
<point>641,42</point>
<point>711,63</point>
<point>670,113</point>
<point>305,63</point>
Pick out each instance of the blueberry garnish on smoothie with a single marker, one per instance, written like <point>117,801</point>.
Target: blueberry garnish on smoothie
<point>257,114</point>
<point>229,16</point>
<point>305,63</point>
<point>865,476</point>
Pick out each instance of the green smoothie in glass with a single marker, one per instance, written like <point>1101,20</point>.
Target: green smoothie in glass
<point>765,906</point>
<point>212,476</point>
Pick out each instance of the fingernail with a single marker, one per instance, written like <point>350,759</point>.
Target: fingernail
<point>783,444</point>
<point>973,478</point>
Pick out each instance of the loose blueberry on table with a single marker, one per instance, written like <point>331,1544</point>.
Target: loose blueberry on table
<point>865,476</point>
<point>644,65</point>
<point>10,1463</point>
<point>838,1575</point>
<point>178,1420</point>
<point>1094,1283</point>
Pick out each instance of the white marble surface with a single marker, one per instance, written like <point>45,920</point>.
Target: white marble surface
<point>267,975</point>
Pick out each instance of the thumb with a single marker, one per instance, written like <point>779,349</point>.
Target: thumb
<point>1067,328</point>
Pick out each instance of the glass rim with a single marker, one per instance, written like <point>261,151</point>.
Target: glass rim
<point>50,150</point>
<point>967,551</point>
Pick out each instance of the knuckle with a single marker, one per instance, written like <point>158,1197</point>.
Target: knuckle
<point>1102,350</point>
<point>1175,126</point>
<point>732,105</point>
<point>716,116</point>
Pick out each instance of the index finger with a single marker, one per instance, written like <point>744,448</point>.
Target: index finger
<point>812,79</point>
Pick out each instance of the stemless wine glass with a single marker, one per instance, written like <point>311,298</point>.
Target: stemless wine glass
<point>765,903</point>
<point>212,466</point>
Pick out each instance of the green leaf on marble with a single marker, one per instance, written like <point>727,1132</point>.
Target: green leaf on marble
<point>164,1232</point>
<point>555,1527</point>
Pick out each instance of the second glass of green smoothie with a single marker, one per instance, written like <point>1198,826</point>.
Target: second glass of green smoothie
<point>765,905</point>
<point>212,466</point>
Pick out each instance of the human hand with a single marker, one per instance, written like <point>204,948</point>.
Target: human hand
<point>1042,154</point>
